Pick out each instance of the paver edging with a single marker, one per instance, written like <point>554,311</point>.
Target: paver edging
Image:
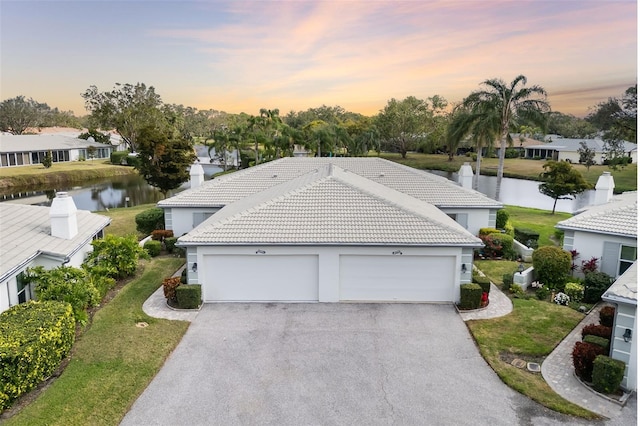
<point>621,402</point>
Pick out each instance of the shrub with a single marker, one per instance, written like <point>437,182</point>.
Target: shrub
<point>502,217</point>
<point>583,356</point>
<point>507,280</point>
<point>153,247</point>
<point>65,284</point>
<point>552,265</point>
<point>487,231</point>
<point>506,241</point>
<point>607,374</point>
<point>508,228</point>
<point>511,153</point>
<point>558,234</point>
<point>183,276</point>
<point>470,296</point>
<point>119,255</point>
<point>543,293</point>
<point>119,157</point>
<point>161,234</point>
<point>526,236</point>
<point>575,291</point>
<point>189,296</point>
<point>561,299</point>
<point>170,244</point>
<point>34,338</point>
<point>597,330</point>
<point>169,286</point>
<point>150,220</point>
<point>607,313</point>
<point>589,266</point>
<point>595,284</point>
<point>516,290</point>
<point>483,282</point>
<point>597,340</point>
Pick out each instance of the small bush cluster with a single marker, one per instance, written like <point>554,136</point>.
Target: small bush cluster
<point>153,247</point>
<point>607,374</point>
<point>118,255</point>
<point>595,284</point>
<point>150,220</point>
<point>607,314</point>
<point>507,280</point>
<point>516,290</point>
<point>483,282</point>
<point>188,296</point>
<point>597,340</point>
<point>583,355</point>
<point>170,244</point>
<point>597,330</point>
<point>161,234</point>
<point>498,245</point>
<point>502,217</point>
<point>552,265</point>
<point>470,296</point>
<point>487,231</point>
<point>34,338</point>
<point>169,286</point>
<point>543,293</point>
<point>575,291</point>
<point>589,266</point>
<point>528,237</point>
<point>119,157</point>
<point>561,299</point>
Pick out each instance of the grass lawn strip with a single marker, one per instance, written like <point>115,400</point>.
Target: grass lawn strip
<point>113,361</point>
<point>123,221</point>
<point>530,332</point>
<point>541,221</point>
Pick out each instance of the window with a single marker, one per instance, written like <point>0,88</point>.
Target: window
<point>461,218</point>
<point>23,288</point>
<point>628,255</point>
<point>198,218</point>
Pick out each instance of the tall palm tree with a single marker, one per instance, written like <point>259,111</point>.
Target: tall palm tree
<point>515,104</point>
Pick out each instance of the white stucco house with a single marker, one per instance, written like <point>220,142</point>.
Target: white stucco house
<point>329,230</point>
<point>24,150</point>
<point>624,347</point>
<point>607,230</point>
<point>42,236</point>
<point>564,149</point>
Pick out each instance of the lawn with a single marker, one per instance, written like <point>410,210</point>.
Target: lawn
<point>495,269</point>
<point>123,221</point>
<point>113,361</point>
<point>530,332</point>
<point>541,221</point>
<point>625,179</point>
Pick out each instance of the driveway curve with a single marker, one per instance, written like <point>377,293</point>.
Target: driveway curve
<point>331,364</point>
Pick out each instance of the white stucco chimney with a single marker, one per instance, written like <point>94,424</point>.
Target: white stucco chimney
<point>197,175</point>
<point>64,223</point>
<point>465,176</point>
<point>604,189</point>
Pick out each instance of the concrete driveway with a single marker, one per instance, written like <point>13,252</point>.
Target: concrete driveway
<point>331,364</point>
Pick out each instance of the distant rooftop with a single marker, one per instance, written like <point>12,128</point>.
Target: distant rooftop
<point>617,217</point>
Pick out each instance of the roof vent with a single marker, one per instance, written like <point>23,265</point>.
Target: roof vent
<point>274,176</point>
<point>381,174</point>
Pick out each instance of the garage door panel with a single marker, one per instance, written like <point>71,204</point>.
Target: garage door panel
<point>397,278</point>
<point>261,278</point>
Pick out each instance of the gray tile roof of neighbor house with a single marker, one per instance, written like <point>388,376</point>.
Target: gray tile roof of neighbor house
<point>330,205</point>
<point>25,232</point>
<point>572,145</point>
<point>625,289</point>
<point>617,217</point>
<point>422,185</point>
<point>25,143</point>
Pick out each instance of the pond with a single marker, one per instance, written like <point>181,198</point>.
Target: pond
<point>102,194</point>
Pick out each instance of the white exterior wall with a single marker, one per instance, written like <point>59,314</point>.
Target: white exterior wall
<point>626,351</point>
<point>476,218</point>
<point>328,264</point>
<point>574,157</point>
<point>590,245</point>
<point>182,218</point>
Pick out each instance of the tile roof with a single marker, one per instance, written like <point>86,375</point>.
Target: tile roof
<point>617,217</point>
<point>422,185</point>
<point>625,287</point>
<point>572,145</point>
<point>22,143</point>
<point>25,232</point>
<point>330,205</point>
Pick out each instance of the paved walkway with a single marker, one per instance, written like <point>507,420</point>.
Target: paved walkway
<point>557,370</point>
<point>499,306</point>
<point>156,306</point>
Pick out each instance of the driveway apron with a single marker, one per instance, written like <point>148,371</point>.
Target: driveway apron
<point>331,364</point>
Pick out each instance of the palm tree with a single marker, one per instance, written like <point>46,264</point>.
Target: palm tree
<point>514,103</point>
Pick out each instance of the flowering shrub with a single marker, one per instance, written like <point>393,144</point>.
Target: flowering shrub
<point>590,265</point>
<point>575,291</point>
<point>537,284</point>
<point>492,246</point>
<point>561,299</point>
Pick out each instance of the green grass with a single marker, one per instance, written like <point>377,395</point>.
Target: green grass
<point>113,361</point>
<point>541,221</point>
<point>495,269</point>
<point>625,179</point>
<point>123,220</point>
<point>530,332</point>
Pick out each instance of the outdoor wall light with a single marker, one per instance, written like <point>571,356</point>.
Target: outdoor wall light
<point>194,268</point>
<point>520,268</point>
<point>396,252</point>
<point>627,335</point>
<point>260,252</point>
<point>464,268</point>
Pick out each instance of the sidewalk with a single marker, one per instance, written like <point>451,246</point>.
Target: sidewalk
<point>156,306</point>
<point>557,370</point>
<point>499,306</point>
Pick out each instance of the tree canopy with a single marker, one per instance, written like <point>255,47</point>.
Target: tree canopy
<point>561,181</point>
<point>618,117</point>
<point>18,114</point>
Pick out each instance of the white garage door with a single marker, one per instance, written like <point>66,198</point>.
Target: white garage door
<point>260,278</point>
<point>397,278</point>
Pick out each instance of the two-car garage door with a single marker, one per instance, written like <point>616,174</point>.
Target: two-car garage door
<point>296,278</point>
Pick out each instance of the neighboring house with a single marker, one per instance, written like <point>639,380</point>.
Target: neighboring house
<point>567,150</point>
<point>624,294</point>
<point>607,231</point>
<point>329,230</point>
<point>42,236</point>
<point>23,150</point>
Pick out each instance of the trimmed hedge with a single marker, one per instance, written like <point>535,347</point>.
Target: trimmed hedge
<point>607,314</point>
<point>552,265</point>
<point>502,217</point>
<point>487,231</point>
<point>119,157</point>
<point>597,330</point>
<point>34,338</point>
<point>583,355</point>
<point>150,220</point>
<point>153,247</point>
<point>607,374</point>
<point>596,340</point>
<point>483,282</point>
<point>189,296</point>
<point>595,284</point>
<point>161,234</point>
<point>470,296</point>
<point>525,235</point>
<point>169,286</point>
<point>170,244</point>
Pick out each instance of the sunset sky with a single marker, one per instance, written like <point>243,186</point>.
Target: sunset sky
<point>293,55</point>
